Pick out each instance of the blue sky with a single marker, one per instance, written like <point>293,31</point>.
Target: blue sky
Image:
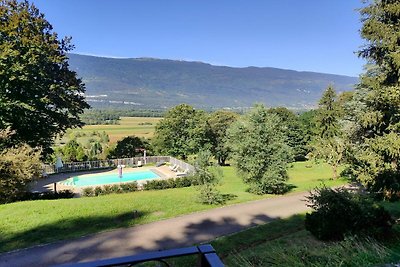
<point>307,35</point>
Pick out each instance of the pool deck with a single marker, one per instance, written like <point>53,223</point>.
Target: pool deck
<point>47,184</point>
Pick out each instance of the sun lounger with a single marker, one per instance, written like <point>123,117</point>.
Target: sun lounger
<point>184,173</point>
<point>172,167</point>
<point>160,163</point>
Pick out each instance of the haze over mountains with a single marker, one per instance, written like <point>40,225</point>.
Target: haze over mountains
<point>160,83</point>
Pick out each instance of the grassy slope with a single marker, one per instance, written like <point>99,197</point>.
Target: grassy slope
<point>287,243</point>
<point>28,223</point>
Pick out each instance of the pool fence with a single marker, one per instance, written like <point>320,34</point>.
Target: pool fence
<point>113,163</point>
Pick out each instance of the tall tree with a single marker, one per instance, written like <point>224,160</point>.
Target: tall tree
<point>218,123</point>
<point>377,113</point>
<point>327,114</point>
<point>260,151</point>
<point>294,131</point>
<point>181,132</point>
<point>328,143</point>
<point>40,96</point>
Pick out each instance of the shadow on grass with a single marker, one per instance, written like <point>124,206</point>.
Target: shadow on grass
<point>121,242</point>
<point>279,190</point>
<point>66,229</point>
<point>227,197</point>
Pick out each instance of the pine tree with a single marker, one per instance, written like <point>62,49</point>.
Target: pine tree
<point>377,119</point>
<point>327,114</point>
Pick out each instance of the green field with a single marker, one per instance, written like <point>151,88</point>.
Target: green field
<point>138,126</point>
<point>29,223</point>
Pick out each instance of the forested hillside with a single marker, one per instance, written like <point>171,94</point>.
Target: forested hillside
<point>157,83</point>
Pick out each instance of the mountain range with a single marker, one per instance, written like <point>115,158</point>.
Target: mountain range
<point>159,83</point>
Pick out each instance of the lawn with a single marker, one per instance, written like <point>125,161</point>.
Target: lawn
<point>24,224</point>
<point>138,126</point>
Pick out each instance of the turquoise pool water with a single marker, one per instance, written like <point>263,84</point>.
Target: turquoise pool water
<point>88,180</point>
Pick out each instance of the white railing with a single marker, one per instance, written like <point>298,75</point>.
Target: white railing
<point>112,163</point>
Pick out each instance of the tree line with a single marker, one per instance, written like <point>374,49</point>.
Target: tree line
<point>112,116</point>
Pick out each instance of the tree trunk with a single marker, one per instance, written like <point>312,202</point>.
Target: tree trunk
<point>334,169</point>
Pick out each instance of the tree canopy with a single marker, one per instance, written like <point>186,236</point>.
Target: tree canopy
<point>40,96</point>
<point>260,151</point>
<point>129,147</point>
<point>218,123</point>
<point>181,132</point>
<point>294,131</point>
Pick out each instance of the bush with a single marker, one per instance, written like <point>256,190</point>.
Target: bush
<point>170,183</point>
<point>132,187</point>
<point>106,189</point>
<point>209,195</point>
<point>129,187</point>
<point>157,185</point>
<point>88,192</point>
<point>45,195</point>
<point>115,189</point>
<point>18,167</point>
<point>109,189</point>
<point>338,212</point>
<point>98,191</point>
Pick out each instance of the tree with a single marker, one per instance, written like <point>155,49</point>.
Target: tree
<point>129,147</point>
<point>181,132</point>
<point>95,150</point>
<point>260,151</point>
<point>294,131</point>
<point>218,123</point>
<point>207,177</point>
<point>329,144</point>
<point>70,151</point>
<point>327,114</point>
<point>39,96</point>
<point>376,103</point>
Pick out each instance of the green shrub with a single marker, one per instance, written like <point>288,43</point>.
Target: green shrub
<point>209,195</point>
<point>156,185</point>
<point>338,212</point>
<point>115,189</point>
<point>133,186</point>
<point>184,182</point>
<point>169,183</point>
<point>98,191</point>
<point>18,167</point>
<point>45,195</point>
<point>106,189</point>
<point>129,187</point>
<point>88,192</point>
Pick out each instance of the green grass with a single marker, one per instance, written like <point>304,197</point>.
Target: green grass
<point>127,126</point>
<point>285,242</point>
<point>29,223</point>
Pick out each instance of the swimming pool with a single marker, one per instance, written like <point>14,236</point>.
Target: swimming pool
<point>100,179</point>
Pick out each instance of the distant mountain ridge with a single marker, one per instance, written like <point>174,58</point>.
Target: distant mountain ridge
<point>162,83</point>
